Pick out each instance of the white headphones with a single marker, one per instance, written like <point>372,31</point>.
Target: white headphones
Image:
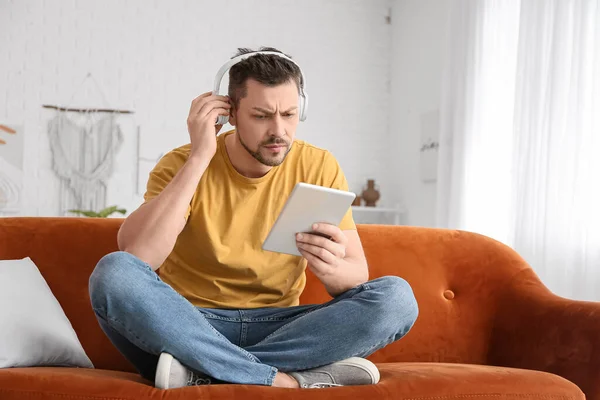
<point>303,101</point>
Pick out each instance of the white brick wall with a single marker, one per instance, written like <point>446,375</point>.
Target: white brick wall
<point>418,40</point>
<point>154,57</point>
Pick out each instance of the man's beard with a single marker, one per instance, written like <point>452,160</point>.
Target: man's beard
<point>258,156</point>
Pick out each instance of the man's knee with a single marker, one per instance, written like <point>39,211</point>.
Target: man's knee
<point>111,276</point>
<point>396,300</point>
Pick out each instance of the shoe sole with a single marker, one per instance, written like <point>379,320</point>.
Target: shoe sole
<point>365,365</point>
<point>163,371</point>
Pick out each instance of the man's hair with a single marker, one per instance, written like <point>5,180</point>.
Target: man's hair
<point>268,69</point>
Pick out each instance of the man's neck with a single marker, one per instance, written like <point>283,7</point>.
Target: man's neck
<point>243,162</point>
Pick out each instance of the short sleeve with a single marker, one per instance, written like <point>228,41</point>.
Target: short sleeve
<point>162,174</point>
<point>334,176</point>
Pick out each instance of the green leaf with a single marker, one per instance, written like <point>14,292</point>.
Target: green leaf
<point>107,211</point>
<point>110,210</point>
<point>86,213</point>
<point>102,214</point>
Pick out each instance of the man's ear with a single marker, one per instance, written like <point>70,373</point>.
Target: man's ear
<point>232,119</point>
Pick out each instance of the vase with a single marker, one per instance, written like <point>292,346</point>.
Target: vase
<point>370,195</point>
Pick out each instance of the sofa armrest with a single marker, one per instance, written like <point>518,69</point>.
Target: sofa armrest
<point>535,329</point>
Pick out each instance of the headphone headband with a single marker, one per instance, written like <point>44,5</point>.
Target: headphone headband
<point>219,77</point>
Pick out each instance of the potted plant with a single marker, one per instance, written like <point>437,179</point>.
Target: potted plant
<point>105,213</point>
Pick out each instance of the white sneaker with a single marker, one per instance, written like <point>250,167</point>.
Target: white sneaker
<point>170,374</point>
<point>351,371</point>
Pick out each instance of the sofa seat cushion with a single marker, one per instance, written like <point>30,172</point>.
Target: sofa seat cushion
<point>422,381</point>
<point>446,381</point>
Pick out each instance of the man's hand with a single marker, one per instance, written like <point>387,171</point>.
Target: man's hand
<point>325,249</point>
<point>335,257</point>
<point>201,122</point>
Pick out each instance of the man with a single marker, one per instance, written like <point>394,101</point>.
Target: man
<point>224,310</point>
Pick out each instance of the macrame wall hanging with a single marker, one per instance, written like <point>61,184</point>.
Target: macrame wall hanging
<point>84,142</point>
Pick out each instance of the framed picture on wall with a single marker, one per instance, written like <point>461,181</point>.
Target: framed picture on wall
<point>430,123</point>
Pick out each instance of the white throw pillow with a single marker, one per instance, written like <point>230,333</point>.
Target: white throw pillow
<point>34,330</point>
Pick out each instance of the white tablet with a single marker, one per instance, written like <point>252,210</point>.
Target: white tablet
<point>306,205</point>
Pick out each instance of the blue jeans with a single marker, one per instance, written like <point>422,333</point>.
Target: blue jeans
<point>143,316</point>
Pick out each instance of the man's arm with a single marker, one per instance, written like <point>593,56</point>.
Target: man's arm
<point>150,232</point>
<point>357,269</point>
<point>339,262</point>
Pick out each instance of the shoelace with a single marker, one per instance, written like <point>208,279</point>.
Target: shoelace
<point>320,385</point>
<point>196,380</point>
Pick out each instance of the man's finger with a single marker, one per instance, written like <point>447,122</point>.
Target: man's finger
<point>201,100</point>
<point>323,254</point>
<point>211,105</point>
<point>316,239</point>
<point>334,232</point>
<point>315,263</point>
<point>335,248</point>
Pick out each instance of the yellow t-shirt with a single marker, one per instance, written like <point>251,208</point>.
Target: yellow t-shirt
<point>217,261</point>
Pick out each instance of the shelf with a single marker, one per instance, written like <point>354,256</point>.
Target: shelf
<point>374,214</point>
<point>377,209</point>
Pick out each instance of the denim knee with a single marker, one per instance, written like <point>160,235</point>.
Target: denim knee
<point>396,301</point>
<point>111,276</point>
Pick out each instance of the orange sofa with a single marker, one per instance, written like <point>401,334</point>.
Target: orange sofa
<point>487,328</point>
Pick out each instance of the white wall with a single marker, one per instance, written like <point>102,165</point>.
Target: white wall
<point>154,57</point>
<point>418,34</point>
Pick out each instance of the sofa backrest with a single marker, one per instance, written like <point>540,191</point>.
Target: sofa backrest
<point>66,251</point>
<point>457,278</point>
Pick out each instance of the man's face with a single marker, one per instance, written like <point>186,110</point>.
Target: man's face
<point>266,120</point>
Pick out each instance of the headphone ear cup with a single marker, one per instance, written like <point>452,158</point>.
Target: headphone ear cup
<point>222,120</point>
<point>303,107</point>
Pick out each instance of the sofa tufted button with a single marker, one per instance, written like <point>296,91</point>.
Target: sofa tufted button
<point>448,294</point>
